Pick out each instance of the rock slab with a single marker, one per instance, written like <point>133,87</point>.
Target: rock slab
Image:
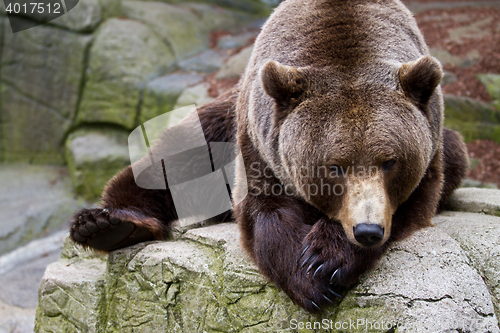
<point>124,57</point>
<point>34,201</point>
<point>94,156</point>
<point>203,281</point>
<point>41,73</point>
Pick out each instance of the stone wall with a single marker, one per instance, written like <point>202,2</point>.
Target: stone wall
<point>100,71</point>
<point>73,89</point>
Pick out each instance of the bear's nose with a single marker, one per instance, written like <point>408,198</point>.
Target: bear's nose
<point>368,234</point>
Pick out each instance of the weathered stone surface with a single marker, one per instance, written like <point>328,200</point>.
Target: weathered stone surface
<point>34,200</point>
<point>47,65</point>
<point>41,71</point>
<point>84,17</point>
<point>469,110</point>
<point>194,95</point>
<point>254,7</point>
<point>31,131</point>
<point>20,273</point>
<point>423,284</point>
<point>72,296</point>
<point>448,78</point>
<point>236,41</point>
<point>474,30</point>
<point>418,7</point>
<point>480,239</point>
<point>472,118</point>
<point>16,319</point>
<point>492,84</point>
<point>446,58</point>
<point>178,27</point>
<point>236,65</point>
<point>203,281</point>
<point>94,156</point>
<point>205,62</point>
<point>475,200</point>
<point>2,25</point>
<point>124,57</point>
<point>217,18</point>
<point>478,184</point>
<point>161,94</point>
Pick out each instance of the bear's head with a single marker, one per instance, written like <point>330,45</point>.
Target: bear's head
<point>356,146</point>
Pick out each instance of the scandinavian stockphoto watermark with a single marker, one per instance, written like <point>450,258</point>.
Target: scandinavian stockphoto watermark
<point>358,325</point>
<point>322,180</point>
<point>27,14</point>
<point>170,152</point>
<point>167,153</point>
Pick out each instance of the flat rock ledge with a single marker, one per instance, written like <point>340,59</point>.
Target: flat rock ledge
<point>442,279</point>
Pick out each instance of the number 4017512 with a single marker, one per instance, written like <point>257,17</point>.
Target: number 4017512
<point>33,8</point>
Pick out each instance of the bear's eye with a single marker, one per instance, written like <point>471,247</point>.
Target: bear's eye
<point>338,170</point>
<point>388,165</point>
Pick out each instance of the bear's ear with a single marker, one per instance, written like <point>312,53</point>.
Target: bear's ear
<point>420,78</point>
<point>285,84</point>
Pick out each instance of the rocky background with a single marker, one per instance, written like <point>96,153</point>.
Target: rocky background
<point>72,90</point>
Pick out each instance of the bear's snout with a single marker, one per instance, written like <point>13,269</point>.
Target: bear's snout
<point>366,211</point>
<point>368,234</point>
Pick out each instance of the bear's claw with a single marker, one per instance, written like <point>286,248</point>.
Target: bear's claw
<point>317,270</point>
<point>335,294</point>
<point>328,300</point>
<point>334,276</point>
<point>317,307</point>
<point>304,251</point>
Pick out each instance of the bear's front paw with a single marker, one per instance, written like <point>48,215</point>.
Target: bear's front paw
<point>332,268</point>
<point>99,229</point>
<point>327,264</point>
<point>317,279</point>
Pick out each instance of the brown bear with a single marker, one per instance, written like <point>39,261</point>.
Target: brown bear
<point>339,118</point>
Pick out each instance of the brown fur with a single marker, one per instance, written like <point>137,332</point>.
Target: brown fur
<point>331,85</point>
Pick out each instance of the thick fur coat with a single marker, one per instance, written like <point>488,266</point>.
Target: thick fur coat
<point>339,118</point>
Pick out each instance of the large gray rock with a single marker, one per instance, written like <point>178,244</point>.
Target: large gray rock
<point>41,72</point>
<point>217,18</point>
<point>125,56</point>
<point>198,95</point>
<point>84,17</point>
<point>480,239</point>
<point>178,27</point>
<point>473,119</point>
<point>236,65</point>
<point>72,294</point>
<point>418,7</point>
<point>94,156</point>
<point>446,58</point>
<point>161,94</point>
<point>20,273</point>
<point>205,62</point>
<point>423,284</point>
<point>34,200</point>
<point>203,281</point>
<point>236,41</point>
<point>16,319</point>
<point>475,200</point>
<point>3,23</point>
<point>253,7</point>
<point>492,84</point>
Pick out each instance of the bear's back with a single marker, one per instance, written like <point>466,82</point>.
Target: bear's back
<point>346,34</point>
